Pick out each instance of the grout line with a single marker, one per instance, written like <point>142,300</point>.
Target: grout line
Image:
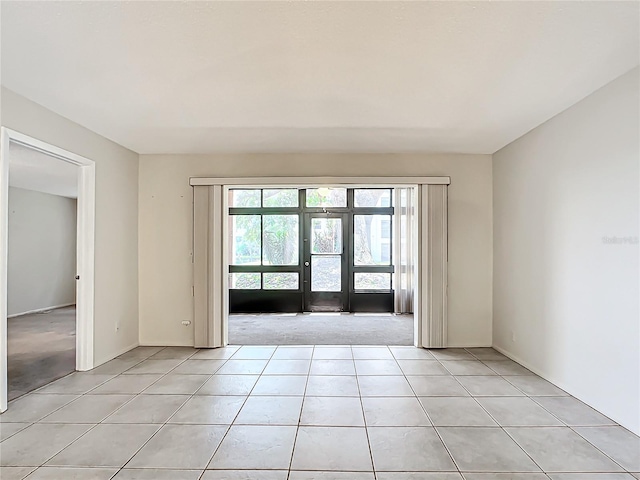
<point>364,416</point>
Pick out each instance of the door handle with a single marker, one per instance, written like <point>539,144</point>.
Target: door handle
<point>306,264</point>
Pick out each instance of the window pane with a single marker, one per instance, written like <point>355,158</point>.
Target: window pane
<point>371,197</point>
<point>281,197</point>
<point>280,237</point>
<point>372,240</point>
<point>326,273</point>
<point>280,281</point>
<point>244,281</point>
<point>326,197</point>
<point>244,198</point>
<point>372,281</point>
<point>245,239</point>
<point>326,235</point>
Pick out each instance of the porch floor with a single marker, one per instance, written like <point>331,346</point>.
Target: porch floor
<point>320,329</point>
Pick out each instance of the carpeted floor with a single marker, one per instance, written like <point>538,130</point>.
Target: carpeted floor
<point>41,348</point>
<point>321,329</point>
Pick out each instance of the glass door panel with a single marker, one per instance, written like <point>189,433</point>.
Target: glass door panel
<point>325,267</point>
<point>326,273</point>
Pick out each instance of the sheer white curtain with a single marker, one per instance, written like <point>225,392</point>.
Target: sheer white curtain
<point>404,248</point>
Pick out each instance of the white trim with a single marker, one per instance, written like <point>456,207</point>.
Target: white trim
<point>4,260</point>
<point>38,310</point>
<point>85,248</point>
<point>302,182</point>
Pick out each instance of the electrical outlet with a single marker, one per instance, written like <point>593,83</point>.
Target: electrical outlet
<point>186,323</point>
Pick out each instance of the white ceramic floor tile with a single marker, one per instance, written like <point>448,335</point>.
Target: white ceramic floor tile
<point>372,353</point>
<point>287,367</point>
<point>332,411</point>
<point>199,367</point>
<point>332,367</point>
<point>331,448</point>
<point>437,386</point>
<point>481,449</point>
<point>105,446</point>
<point>245,475</point>
<point>242,367</point>
<point>452,354</point>
<point>33,407</point>
<point>228,385</point>
<point>76,383</point>
<point>280,385</point>
<point>534,385</point>
<point>517,411</point>
<point>456,412</point>
<point>332,386</point>
<point>176,384</point>
<point>223,353</point>
<point>293,353</point>
<point>332,353</point>
<point>411,353</point>
<point>180,447</point>
<point>378,367</point>
<point>573,412</point>
<point>88,409</point>
<point>36,444</point>
<point>384,386</point>
<point>127,384</point>
<point>559,449</point>
<point>255,447</point>
<point>488,386</point>
<point>254,353</point>
<point>617,442</point>
<point>155,474</point>
<point>394,411</point>
<point>209,410</point>
<point>331,476</point>
<point>422,367</point>
<point>276,410</point>
<point>174,353</point>
<point>154,366</point>
<point>15,473</point>
<point>9,429</point>
<point>148,409</point>
<point>466,367</point>
<point>72,473</point>
<point>408,449</point>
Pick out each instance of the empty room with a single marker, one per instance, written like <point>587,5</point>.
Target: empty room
<point>321,240</point>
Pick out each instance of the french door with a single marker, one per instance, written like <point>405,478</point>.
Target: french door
<point>310,250</point>
<point>326,267</point>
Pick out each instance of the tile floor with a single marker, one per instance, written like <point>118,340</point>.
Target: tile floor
<point>306,413</point>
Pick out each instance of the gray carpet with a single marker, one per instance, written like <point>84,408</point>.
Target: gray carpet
<point>320,329</point>
<point>41,348</point>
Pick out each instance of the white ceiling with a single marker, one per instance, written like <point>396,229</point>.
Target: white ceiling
<point>198,77</point>
<point>33,170</point>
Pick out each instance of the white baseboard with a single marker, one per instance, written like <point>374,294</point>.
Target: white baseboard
<point>38,310</point>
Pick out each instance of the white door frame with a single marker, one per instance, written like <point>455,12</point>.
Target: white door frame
<point>85,248</point>
<point>210,255</point>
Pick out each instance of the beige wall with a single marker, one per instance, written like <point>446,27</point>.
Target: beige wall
<point>565,300</point>
<point>42,251</point>
<point>116,247</point>
<point>166,230</point>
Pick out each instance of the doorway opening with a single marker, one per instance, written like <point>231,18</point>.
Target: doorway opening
<point>317,266</point>
<point>47,210</point>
